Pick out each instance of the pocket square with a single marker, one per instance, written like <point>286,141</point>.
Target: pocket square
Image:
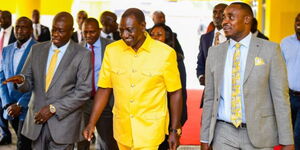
<point>259,61</point>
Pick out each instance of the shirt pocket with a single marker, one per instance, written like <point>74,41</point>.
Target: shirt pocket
<point>151,77</point>
<point>118,76</point>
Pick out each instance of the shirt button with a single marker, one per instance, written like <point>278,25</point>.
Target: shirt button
<point>131,101</point>
<point>135,55</point>
<point>131,116</point>
<point>133,70</point>
<point>132,85</point>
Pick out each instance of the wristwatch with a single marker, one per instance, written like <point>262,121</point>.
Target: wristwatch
<point>52,109</point>
<point>177,131</point>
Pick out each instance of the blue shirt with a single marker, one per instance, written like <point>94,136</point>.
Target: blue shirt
<point>291,52</point>
<point>98,59</point>
<point>18,53</point>
<point>62,49</point>
<point>224,111</point>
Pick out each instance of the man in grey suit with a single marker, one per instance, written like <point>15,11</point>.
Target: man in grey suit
<point>246,103</point>
<point>97,44</point>
<point>59,75</point>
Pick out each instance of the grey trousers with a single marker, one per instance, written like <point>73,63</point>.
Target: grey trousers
<point>45,141</point>
<point>227,137</point>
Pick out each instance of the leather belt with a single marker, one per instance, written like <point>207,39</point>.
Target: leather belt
<point>242,125</point>
<point>294,93</point>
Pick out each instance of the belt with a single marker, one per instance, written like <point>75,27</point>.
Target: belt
<point>242,125</point>
<point>294,93</point>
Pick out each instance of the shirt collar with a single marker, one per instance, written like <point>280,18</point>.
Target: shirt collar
<point>7,29</point>
<point>24,45</point>
<point>103,34</point>
<point>145,45</point>
<point>220,31</point>
<point>97,44</point>
<point>62,49</point>
<point>244,42</point>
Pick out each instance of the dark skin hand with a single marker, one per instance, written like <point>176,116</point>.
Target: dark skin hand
<point>175,111</point>
<point>14,110</point>
<point>202,80</point>
<point>205,146</point>
<point>18,79</point>
<point>43,115</point>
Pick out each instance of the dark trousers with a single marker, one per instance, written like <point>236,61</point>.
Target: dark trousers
<point>164,145</point>
<point>23,142</point>
<point>5,133</point>
<point>295,107</point>
<point>104,128</point>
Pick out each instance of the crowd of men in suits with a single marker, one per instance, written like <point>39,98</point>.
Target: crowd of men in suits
<point>57,87</point>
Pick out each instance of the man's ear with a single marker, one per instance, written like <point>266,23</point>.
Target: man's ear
<point>143,25</point>
<point>248,19</point>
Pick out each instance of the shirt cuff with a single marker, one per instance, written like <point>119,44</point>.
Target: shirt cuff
<point>18,85</point>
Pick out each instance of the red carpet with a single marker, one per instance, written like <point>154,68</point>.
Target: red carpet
<point>191,129</point>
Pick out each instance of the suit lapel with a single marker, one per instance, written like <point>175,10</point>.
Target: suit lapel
<point>11,60</point>
<point>24,56</point>
<point>44,52</point>
<point>221,65</point>
<point>254,48</point>
<point>64,63</point>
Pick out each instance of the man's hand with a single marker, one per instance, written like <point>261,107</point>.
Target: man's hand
<point>288,147</point>
<point>14,110</point>
<point>202,80</point>
<point>88,132</point>
<point>18,79</point>
<point>43,115</point>
<point>173,141</point>
<point>205,146</point>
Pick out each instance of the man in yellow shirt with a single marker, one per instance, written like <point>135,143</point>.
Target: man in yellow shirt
<point>141,72</point>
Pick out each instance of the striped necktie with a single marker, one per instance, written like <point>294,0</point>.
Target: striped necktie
<point>217,38</point>
<point>51,68</point>
<point>236,104</point>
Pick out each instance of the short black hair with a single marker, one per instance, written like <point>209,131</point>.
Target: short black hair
<point>25,19</point>
<point>108,13</point>
<point>245,7</point>
<point>91,20</point>
<point>6,13</point>
<point>137,13</point>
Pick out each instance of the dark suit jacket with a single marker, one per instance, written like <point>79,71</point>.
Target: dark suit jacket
<point>261,35</point>
<point>116,35</point>
<point>45,34</point>
<point>74,37</point>
<point>70,88</point>
<point>8,94</point>
<point>205,42</point>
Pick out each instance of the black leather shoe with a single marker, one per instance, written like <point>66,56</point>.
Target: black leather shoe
<point>5,141</point>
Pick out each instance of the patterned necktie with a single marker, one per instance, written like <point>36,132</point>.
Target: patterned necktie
<point>36,33</point>
<point>217,38</point>
<point>93,70</point>
<point>236,104</point>
<point>51,68</point>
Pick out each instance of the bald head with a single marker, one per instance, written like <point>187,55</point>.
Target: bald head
<point>158,17</point>
<point>62,28</point>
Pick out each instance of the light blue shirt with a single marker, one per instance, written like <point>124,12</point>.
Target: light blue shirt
<point>98,59</point>
<point>62,49</point>
<point>224,111</point>
<point>18,53</point>
<point>291,52</point>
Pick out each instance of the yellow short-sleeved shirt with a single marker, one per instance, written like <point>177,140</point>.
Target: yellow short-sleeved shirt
<point>140,81</point>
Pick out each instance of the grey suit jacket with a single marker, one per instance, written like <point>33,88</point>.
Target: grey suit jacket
<point>69,90</point>
<point>265,88</point>
<point>107,112</point>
